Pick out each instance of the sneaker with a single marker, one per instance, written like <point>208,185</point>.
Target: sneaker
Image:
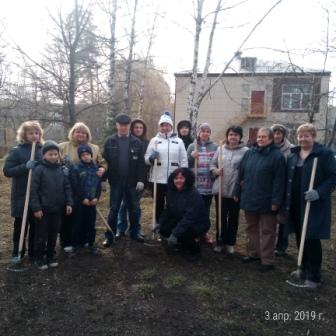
<point>107,243</point>
<point>279,253</point>
<point>230,249</point>
<point>249,259</point>
<point>68,249</point>
<point>41,265</point>
<point>298,274</point>
<point>311,284</point>
<point>218,249</point>
<point>53,262</point>
<point>94,251</point>
<point>206,240</point>
<point>120,234</point>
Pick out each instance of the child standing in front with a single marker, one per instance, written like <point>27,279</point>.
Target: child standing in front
<point>17,166</point>
<point>86,186</point>
<point>50,194</point>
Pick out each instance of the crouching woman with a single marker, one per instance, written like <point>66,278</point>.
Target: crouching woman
<point>185,217</point>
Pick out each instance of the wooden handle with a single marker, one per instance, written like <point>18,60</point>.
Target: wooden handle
<point>154,192</point>
<point>195,162</point>
<point>306,215</point>
<point>26,204</point>
<point>104,220</point>
<point>220,183</point>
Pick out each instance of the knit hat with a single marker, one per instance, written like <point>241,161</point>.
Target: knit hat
<point>84,149</point>
<point>166,118</point>
<point>280,128</point>
<point>49,145</point>
<point>202,127</point>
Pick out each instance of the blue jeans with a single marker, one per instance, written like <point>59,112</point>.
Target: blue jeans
<point>121,190</point>
<point>122,215</point>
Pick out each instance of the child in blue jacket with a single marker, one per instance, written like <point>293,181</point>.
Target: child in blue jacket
<point>86,187</point>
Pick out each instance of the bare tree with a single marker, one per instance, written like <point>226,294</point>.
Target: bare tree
<point>199,87</point>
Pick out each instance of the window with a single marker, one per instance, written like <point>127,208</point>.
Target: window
<point>296,97</point>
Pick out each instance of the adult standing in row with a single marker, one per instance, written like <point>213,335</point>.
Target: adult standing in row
<point>126,174</point>
<point>78,135</point>
<point>203,153</point>
<point>299,165</point>
<point>232,154</point>
<point>260,188</point>
<point>281,141</point>
<point>184,132</point>
<point>17,166</point>
<point>170,153</point>
<point>139,130</point>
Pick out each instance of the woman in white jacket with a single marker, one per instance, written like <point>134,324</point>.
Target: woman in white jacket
<point>170,153</point>
<point>232,154</point>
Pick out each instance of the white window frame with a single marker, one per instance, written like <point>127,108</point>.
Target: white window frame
<point>304,93</point>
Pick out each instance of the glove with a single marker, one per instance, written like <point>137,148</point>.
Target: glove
<point>311,195</point>
<point>139,187</point>
<point>172,240</point>
<point>153,156</point>
<point>155,227</point>
<point>31,164</point>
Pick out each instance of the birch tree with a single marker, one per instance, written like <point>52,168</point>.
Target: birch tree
<point>199,87</point>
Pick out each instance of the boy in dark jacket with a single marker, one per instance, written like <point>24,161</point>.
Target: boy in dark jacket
<point>50,193</point>
<point>86,187</point>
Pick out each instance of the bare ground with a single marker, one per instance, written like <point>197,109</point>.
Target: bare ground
<point>138,289</point>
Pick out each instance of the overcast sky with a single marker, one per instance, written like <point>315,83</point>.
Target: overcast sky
<point>295,25</point>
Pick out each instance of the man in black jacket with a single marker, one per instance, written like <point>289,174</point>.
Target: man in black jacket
<point>126,174</point>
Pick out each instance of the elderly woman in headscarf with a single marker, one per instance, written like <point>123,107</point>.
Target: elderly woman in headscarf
<point>79,134</point>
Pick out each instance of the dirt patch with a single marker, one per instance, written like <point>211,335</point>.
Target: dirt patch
<point>136,289</point>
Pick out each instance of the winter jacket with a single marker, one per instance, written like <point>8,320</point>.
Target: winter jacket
<point>185,210</point>
<point>84,181</point>
<point>136,168</point>
<point>51,189</point>
<point>69,149</point>
<point>319,220</point>
<point>261,181</point>
<point>15,167</point>
<point>172,155</point>
<point>204,177</point>
<point>231,158</point>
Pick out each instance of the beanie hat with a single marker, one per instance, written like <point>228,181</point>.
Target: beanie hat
<point>49,145</point>
<point>84,149</point>
<point>166,118</point>
<point>280,128</point>
<point>202,127</point>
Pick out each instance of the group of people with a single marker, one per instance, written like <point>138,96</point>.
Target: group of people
<point>269,181</point>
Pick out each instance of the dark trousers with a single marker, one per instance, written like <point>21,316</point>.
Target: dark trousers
<point>282,239</point>
<point>230,218</point>
<point>312,257</point>
<point>84,225</point>
<point>207,199</point>
<point>119,191</point>
<point>160,198</point>
<point>66,229</point>
<point>46,231</point>
<point>312,252</point>
<point>30,226</point>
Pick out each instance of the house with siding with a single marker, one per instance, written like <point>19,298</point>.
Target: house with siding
<point>254,99</point>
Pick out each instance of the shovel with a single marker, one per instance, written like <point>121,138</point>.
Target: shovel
<point>304,226</point>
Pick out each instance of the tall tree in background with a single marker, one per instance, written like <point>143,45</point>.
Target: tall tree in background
<point>199,86</point>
